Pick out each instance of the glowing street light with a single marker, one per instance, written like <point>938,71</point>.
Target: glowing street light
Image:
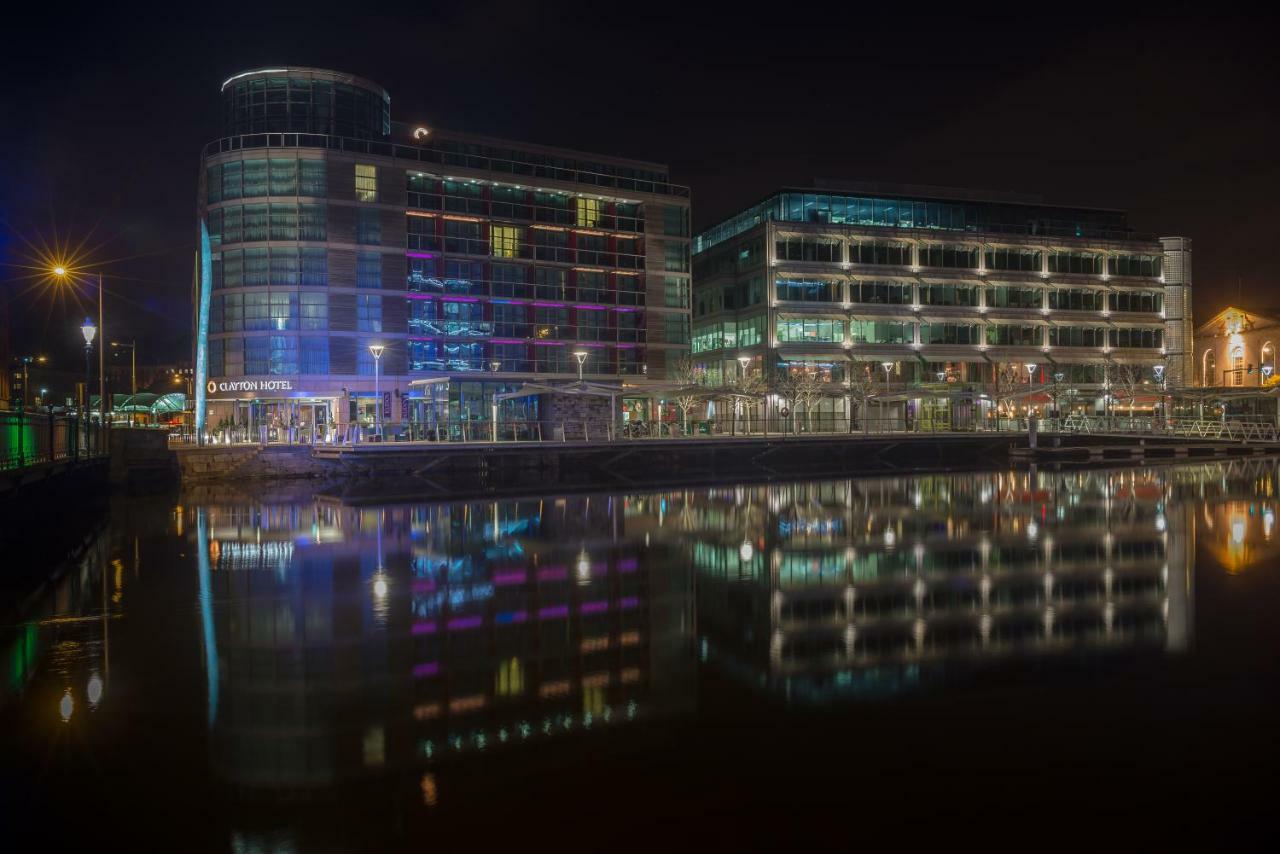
<point>581,356</point>
<point>376,350</point>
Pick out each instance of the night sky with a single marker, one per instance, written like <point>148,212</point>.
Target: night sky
<point>1170,114</point>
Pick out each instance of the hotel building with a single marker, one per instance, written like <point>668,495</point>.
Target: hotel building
<point>950,301</point>
<point>478,265</point>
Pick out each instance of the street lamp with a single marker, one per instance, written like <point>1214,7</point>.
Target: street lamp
<point>743,361</point>
<point>581,356</point>
<point>62,273</point>
<point>89,331</point>
<point>376,350</point>
<point>26,362</point>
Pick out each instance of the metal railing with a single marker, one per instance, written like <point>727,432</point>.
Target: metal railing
<point>32,438</point>
<point>1232,429</point>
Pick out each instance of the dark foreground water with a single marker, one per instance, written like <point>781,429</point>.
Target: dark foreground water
<point>995,660</point>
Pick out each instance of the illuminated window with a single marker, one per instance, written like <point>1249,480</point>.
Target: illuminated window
<point>506,241</point>
<point>510,681</point>
<point>588,212</point>
<point>366,182</point>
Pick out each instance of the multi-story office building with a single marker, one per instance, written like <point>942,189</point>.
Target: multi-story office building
<point>959,305</point>
<point>478,265</point>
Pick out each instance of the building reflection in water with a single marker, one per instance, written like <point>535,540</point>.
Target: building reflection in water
<point>350,639</point>
<point>342,641</point>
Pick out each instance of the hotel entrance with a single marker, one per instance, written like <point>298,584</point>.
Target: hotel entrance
<point>287,421</point>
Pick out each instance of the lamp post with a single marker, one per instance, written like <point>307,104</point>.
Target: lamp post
<point>62,272</point>
<point>132,347</point>
<point>376,350</point>
<point>888,368</point>
<point>581,356</point>
<point>26,362</point>
<point>90,332</point>
<point>743,361</point>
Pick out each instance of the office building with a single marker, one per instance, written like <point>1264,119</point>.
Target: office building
<point>947,307</point>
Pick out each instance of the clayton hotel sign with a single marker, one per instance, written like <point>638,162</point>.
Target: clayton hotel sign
<point>215,386</point>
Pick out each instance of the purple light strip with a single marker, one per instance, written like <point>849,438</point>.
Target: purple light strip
<point>622,308</point>
<point>419,255</point>
<point>627,564</point>
<point>629,602</point>
<point>597,607</point>
<point>421,671</point>
<point>420,296</point>
<point>550,305</point>
<point>553,573</point>
<point>423,585</point>
<point>592,307</point>
<point>465,623</point>
<point>548,343</point>
<point>625,346</point>
<point>517,577</point>
<point>553,613</point>
<point>506,341</point>
<point>424,628</point>
<point>460,299</point>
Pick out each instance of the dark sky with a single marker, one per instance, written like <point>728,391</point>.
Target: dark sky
<point>1169,114</point>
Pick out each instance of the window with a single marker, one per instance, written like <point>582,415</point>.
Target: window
<point>1077,336</point>
<point>1149,301</point>
<point>1075,262</point>
<point>368,313</point>
<point>1009,335</point>
<point>808,290</point>
<point>881,332</point>
<point>464,237</point>
<point>675,221</point>
<point>592,286</point>
<point>550,284</point>
<point>1137,338</point>
<point>506,240</point>
<point>1134,265</point>
<point>948,295</point>
<point>1009,296</point>
<point>283,176</point>
<point>593,249</point>
<point>588,212</point>
<point>949,255</point>
<point>880,252</point>
<point>889,293</point>
<point>676,329</point>
<point>284,311</point>
<point>256,220</point>
<point>593,325</point>
<point>1024,260</point>
<point>796,330</point>
<point>312,180</point>
<point>508,281</point>
<point>368,226</point>
<point>315,268</point>
<point>816,249</point>
<point>314,311</point>
<point>257,356</point>
<point>257,268</point>
<point>368,270</point>
<point>751,331</point>
<point>949,333</point>
<point>283,354</point>
<point>313,355</point>
<point>551,245</point>
<point>255,178</point>
<point>311,222</point>
<point>551,322</point>
<point>676,257</point>
<point>1076,299</point>
<point>366,183</point>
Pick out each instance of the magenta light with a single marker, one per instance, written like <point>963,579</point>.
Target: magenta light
<point>460,299</point>
<point>506,341</point>
<point>424,628</point>
<point>549,304</point>
<point>421,671</point>
<point>622,308</point>
<point>548,343</point>
<point>419,255</point>
<point>625,346</point>
<point>501,578</point>
<point>628,602</point>
<point>592,307</point>
<point>553,613</point>
<point>423,585</point>
<point>553,573</point>
<point>597,607</point>
<point>627,564</point>
<point>465,623</point>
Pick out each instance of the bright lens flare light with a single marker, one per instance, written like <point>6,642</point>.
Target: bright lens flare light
<point>59,271</point>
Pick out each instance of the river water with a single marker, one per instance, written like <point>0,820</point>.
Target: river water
<point>971,656</point>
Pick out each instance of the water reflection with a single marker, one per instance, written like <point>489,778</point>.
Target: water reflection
<point>351,644</point>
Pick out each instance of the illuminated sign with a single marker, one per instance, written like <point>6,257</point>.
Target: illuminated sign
<point>215,386</point>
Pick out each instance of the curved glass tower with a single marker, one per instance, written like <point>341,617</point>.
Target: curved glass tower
<point>475,267</point>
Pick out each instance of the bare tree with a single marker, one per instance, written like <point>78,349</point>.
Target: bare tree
<point>1129,378</point>
<point>862,380</point>
<point>686,374</point>
<point>802,388</point>
<point>1005,385</point>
